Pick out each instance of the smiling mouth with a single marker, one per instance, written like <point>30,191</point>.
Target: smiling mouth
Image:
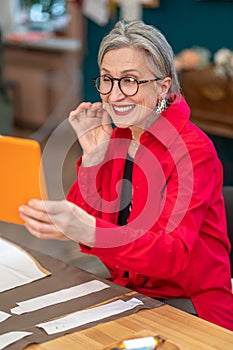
<point>122,110</point>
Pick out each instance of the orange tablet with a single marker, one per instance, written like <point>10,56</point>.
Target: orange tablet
<point>21,176</point>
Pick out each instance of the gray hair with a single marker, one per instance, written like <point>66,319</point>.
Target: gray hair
<point>138,35</point>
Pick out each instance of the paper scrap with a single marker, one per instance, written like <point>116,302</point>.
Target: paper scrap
<point>82,317</point>
<point>59,296</point>
<point>17,267</point>
<point>4,316</point>
<point>11,337</point>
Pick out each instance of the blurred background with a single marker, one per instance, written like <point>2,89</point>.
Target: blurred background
<point>48,54</point>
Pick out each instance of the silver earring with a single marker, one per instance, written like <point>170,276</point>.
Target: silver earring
<point>161,105</point>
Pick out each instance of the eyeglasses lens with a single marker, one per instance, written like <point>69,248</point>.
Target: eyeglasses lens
<point>127,85</point>
<point>103,84</point>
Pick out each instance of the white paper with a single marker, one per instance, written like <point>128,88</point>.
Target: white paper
<point>59,296</point>
<point>11,337</point>
<point>96,10</point>
<point>82,317</point>
<point>4,316</point>
<point>16,267</point>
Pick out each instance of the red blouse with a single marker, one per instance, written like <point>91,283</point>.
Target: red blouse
<point>175,243</point>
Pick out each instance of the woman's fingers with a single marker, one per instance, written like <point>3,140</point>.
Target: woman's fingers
<point>56,235</point>
<point>41,223</point>
<point>85,109</point>
<point>60,220</point>
<point>45,211</point>
<point>95,110</point>
<point>106,122</point>
<point>81,108</point>
<point>33,212</point>
<point>38,226</point>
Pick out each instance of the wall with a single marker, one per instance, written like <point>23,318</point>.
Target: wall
<point>184,22</point>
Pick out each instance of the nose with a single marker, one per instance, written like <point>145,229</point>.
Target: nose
<point>116,94</point>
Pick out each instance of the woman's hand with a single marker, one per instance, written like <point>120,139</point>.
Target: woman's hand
<point>61,220</point>
<point>92,125</point>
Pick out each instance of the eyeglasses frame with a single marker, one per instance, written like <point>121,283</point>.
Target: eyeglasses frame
<point>139,82</point>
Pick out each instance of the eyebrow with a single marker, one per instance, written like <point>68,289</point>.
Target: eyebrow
<point>124,71</point>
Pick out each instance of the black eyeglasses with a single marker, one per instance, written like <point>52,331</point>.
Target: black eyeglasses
<point>128,85</point>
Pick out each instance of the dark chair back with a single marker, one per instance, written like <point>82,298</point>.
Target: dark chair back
<point>228,198</point>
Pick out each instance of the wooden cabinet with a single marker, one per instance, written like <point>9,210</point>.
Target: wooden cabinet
<point>44,80</point>
<point>210,98</point>
<point>44,76</point>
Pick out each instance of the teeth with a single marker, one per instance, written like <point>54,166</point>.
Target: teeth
<point>123,109</point>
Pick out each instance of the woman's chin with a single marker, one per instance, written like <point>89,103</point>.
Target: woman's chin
<point>121,124</point>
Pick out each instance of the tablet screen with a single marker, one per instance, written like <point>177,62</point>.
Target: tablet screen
<point>21,176</point>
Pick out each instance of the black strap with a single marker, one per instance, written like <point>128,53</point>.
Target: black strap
<point>126,194</point>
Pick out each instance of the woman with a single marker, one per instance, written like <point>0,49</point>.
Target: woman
<point>148,196</point>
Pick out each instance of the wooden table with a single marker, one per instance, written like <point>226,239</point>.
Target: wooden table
<point>182,331</point>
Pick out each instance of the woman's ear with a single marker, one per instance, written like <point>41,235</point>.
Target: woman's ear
<point>165,86</point>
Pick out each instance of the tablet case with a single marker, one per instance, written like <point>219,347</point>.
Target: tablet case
<point>21,176</point>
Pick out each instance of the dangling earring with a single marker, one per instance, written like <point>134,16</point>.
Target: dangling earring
<point>161,105</point>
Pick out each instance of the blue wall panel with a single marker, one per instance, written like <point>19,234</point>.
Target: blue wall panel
<point>185,23</point>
